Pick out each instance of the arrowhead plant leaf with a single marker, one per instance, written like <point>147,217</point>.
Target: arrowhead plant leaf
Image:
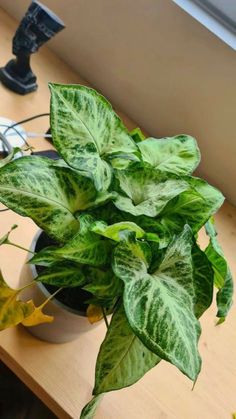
<point>160,307</point>
<point>46,257</point>
<point>84,247</point>
<point>103,284</point>
<point>63,274</point>
<point>194,206</point>
<point>123,359</point>
<point>222,275</point>
<point>143,191</point>
<point>179,154</point>
<point>86,131</point>
<point>50,195</point>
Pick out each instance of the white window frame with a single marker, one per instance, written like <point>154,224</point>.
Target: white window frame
<point>212,19</point>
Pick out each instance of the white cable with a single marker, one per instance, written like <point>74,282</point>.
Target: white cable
<point>32,135</point>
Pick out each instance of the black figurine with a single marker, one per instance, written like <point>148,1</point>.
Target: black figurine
<point>37,26</point>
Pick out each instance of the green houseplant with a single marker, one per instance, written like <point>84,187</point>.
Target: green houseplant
<point>124,212</point>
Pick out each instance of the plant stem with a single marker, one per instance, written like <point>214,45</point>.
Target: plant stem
<point>27,286</point>
<point>105,317</point>
<point>20,247</point>
<point>51,297</point>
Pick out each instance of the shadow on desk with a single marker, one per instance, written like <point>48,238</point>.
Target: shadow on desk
<point>17,401</point>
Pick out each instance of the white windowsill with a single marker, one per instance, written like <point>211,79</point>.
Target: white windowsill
<point>209,21</point>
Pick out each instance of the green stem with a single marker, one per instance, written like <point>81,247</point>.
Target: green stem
<point>105,317</point>
<point>20,247</point>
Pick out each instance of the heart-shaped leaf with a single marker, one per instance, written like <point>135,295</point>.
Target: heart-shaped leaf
<point>160,306</point>
<point>85,247</point>
<point>123,359</point>
<point>46,257</point>
<point>49,194</point>
<point>179,154</point>
<point>143,190</point>
<point>86,131</point>
<point>193,206</point>
<point>63,274</point>
<point>104,285</point>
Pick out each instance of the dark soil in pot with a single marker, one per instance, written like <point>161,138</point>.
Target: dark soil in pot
<point>74,298</point>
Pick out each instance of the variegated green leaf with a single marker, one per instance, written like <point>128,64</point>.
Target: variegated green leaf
<point>84,247</point>
<point>114,231</point>
<point>86,131</point>
<point>203,276</point>
<point>12,310</point>
<point>160,306</point>
<point>104,285</point>
<point>89,410</point>
<point>179,154</point>
<point>122,161</point>
<point>222,275</point>
<point>46,257</point>
<point>193,206</point>
<point>137,135</point>
<point>161,229</point>
<point>50,195</point>
<point>123,359</point>
<point>63,274</point>
<point>145,191</point>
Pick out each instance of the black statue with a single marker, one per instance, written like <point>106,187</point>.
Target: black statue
<point>37,26</point>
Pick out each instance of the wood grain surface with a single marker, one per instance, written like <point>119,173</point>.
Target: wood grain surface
<point>63,375</point>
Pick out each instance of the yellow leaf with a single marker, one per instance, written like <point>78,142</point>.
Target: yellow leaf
<point>94,313</point>
<point>37,317</point>
<point>12,311</point>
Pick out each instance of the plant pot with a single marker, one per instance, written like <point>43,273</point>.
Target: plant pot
<point>68,323</point>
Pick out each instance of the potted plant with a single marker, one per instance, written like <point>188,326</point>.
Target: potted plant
<point>124,212</point>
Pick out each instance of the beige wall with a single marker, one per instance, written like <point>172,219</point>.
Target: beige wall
<point>159,65</point>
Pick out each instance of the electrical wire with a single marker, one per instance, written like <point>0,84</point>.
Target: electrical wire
<point>23,121</point>
<point>16,130</point>
<point>30,134</point>
<point>6,143</point>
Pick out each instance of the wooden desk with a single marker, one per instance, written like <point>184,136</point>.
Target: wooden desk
<point>63,375</point>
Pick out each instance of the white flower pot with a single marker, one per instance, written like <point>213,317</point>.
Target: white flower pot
<point>68,323</point>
